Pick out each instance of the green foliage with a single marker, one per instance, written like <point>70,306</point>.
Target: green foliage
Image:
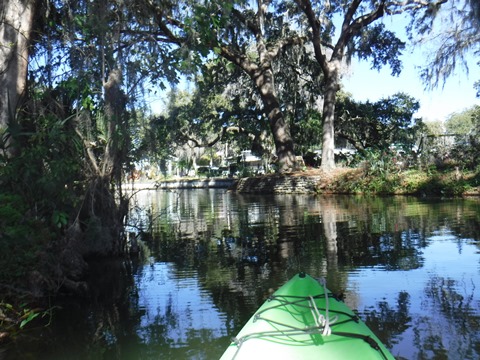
<point>14,318</point>
<point>59,219</point>
<point>466,149</point>
<point>380,45</point>
<point>447,183</point>
<point>218,114</point>
<point>21,236</point>
<point>301,78</point>
<point>381,172</point>
<point>461,123</point>
<point>381,124</point>
<point>453,144</point>
<point>48,169</point>
<point>308,131</point>
<point>410,182</point>
<point>40,189</point>
<point>379,163</point>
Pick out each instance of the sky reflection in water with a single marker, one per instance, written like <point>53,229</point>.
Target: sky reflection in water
<point>177,302</point>
<point>425,308</point>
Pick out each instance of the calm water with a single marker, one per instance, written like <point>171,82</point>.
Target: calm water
<point>410,267</point>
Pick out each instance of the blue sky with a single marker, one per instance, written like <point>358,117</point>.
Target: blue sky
<point>457,94</point>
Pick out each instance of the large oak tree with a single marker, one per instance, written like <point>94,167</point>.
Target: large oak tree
<point>360,34</point>
<point>249,36</point>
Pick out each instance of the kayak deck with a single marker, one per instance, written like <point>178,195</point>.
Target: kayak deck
<point>304,320</point>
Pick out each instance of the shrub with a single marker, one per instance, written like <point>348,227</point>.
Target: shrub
<point>21,237</point>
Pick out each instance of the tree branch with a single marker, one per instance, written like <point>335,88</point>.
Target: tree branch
<point>251,25</point>
<point>88,148</point>
<point>162,21</point>
<point>351,28</point>
<point>306,7</point>
<point>198,143</point>
<point>279,45</point>
<point>239,59</point>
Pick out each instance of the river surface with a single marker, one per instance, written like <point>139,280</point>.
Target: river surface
<point>209,258</point>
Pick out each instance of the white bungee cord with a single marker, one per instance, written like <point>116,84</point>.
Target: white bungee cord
<point>320,319</point>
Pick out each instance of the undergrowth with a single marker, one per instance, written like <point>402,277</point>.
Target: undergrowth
<point>448,183</point>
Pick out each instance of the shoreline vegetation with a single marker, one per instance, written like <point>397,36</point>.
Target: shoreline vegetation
<point>345,181</point>
<point>448,183</point>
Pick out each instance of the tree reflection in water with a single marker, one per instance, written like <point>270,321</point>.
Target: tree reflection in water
<point>388,322</point>
<point>208,260</point>
<point>266,239</point>
<point>454,331</point>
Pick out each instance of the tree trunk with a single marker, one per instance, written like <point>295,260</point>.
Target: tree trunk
<point>356,18</point>
<point>328,145</point>
<point>16,20</point>
<point>278,126</point>
<point>114,114</point>
<point>103,211</point>
<point>329,220</point>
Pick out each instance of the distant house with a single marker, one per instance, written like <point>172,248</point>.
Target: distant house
<point>314,157</point>
<point>246,161</point>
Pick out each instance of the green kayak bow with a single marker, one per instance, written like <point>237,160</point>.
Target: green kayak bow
<point>304,320</point>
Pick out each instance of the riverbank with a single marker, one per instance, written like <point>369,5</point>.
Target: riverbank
<point>213,183</point>
<point>449,182</point>
<point>339,181</point>
<point>364,181</point>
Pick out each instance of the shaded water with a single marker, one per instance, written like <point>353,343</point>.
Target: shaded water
<point>410,268</point>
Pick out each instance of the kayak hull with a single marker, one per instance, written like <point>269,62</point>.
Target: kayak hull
<point>303,320</point>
